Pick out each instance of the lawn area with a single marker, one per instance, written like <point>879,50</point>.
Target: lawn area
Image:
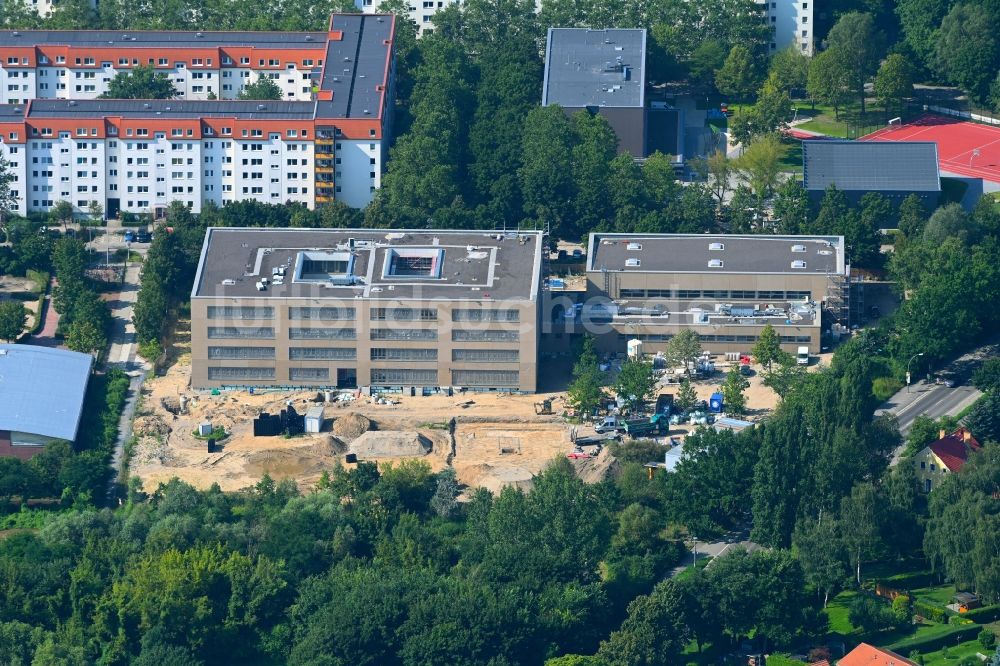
<point>952,655</point>
<point>939,595</point>
<point>791,156</point>
<point>849,124</point>
<point>836,614</point>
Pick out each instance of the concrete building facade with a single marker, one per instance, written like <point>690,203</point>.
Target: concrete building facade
<point>724,287</point>
<point>791,22</point>
<point>385,310</point>
<point>327,140</point>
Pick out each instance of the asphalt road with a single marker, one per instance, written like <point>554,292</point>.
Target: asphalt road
<point>929,400</point>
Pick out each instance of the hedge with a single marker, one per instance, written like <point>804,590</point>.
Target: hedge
<point>983,615</point>
<point>950,638</point>
<point>930,611</point>
<point>910,581</point>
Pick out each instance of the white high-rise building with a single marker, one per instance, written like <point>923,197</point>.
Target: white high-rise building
<point>791,22</point>
<point>326,141</point>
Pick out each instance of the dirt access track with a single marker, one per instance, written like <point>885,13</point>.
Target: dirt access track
<point>499,440</point>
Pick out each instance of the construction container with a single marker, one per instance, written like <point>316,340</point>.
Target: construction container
<point>635,348</point>
<point>715,403</point>
<point>314,419</point>
<point>205,429</point>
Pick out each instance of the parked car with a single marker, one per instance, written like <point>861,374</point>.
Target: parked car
<point>143,237</point>
<point>129,236</point>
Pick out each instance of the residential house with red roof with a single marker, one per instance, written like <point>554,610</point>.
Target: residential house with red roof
<point>946,455</point>
<point>869,655</point>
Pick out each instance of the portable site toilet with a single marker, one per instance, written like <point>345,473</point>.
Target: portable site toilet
<point>314,419</point>
<point>634,347</point>
<point>715,403</point>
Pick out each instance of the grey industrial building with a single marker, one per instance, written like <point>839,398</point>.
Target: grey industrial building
<point>604,72</point>
<point>894,169</point>
<point>41,397</point>
<point>724,287</point>
<point>379,309</point>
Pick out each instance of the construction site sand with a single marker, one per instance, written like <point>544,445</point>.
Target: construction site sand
<point>488,422</point>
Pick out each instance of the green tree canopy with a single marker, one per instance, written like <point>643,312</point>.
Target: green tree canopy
<point>264,88</point>
<point>140,82</point>
<point>13,318</point>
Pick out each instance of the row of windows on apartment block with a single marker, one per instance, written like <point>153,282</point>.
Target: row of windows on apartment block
<point>248,132</point>
<point>666,337</point>
<point>83,60</point>
<point>197,76</point>
<point>735,294</point>
<point>351,354</point>
<point>85,88</point>
<point>381,377</point>
<point>296,333</point>
<point>251,312</point>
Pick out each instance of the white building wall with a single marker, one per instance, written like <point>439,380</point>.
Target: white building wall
<point>357,171</point>
<point>792,23</point>
<point>421,11</point>
<point>16,156</point>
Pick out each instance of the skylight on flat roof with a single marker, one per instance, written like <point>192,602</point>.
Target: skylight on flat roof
<point>633,263</point>
<point>419,263</point>
<point>717,246</point>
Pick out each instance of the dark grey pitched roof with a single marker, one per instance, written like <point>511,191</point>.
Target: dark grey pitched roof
<point>171,108</point>
<point>161,38</point>
<point>356,66</point>
<point>585,67</point>
<point>12,112</point>
<point>884,166</point>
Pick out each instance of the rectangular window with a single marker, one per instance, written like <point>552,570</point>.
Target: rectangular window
<point>485,315</point>
<point>632,293</point>
<point>403,334</point>
<point>392,354</point>
<point>321,314</point>
<point>383,376</point>
<point>309,374</point>
<point>239,312</point>
<point>688,293</point>
<point>240,332</point>
<point>297,333</point>
<point>484,336</point>
<point>231,353</point>
<point>485,355</point>
<point>224,373</point>
<point>745,295</point>
<point>715,293</point>
<point>403,314</point>
<point>485,378</point>
<point>322,353</point>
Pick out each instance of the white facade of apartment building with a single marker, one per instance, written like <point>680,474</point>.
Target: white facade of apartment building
<point>326,140</point>
<point>19,83</point>
<point>792,24</point>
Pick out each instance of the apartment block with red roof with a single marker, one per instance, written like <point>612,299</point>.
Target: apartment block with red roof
<point>326,140</point>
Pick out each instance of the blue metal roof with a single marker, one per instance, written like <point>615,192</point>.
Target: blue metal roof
<point>42,390</point>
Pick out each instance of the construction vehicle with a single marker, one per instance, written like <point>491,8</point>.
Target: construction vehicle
<point>657,424</point>
<point>544,407</point>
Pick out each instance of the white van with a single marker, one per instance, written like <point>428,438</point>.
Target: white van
<point>802,358</point>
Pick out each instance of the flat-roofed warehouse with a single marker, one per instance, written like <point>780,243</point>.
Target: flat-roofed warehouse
<point>41,397</point>
<point>385,309</point>
<point>894,169</point>
<point>604,72</point>
<point>725,287</point>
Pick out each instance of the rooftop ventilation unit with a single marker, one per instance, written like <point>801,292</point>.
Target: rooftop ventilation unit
<point>633,263</point>
<point>634,246</point>
<point>825,252</point>
<point>715,263</point>
<point>717,246</point>
<point>798,264</point>
<point>798,248</point>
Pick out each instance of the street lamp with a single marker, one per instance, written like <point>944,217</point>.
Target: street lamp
<point>908,370</point>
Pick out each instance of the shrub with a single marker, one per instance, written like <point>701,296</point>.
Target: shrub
<point>987,639</point>
<point>930,611</point>
<point>885,387</point>
<point>983,615</point>
<point>150,350</point>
